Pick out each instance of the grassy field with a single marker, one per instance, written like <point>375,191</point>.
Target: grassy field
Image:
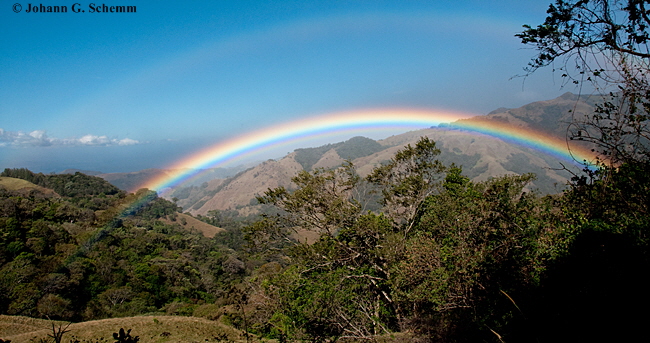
<point>189,222</point>
<point>14,184</point>
<point>149,328</point>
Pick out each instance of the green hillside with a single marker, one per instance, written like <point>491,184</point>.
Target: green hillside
<point>67,185</point>
<point>96,252</point>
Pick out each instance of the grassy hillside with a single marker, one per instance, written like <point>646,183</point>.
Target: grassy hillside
<point>149,328</point>
<point>190,223</point>
<point>96,255</point>
<point>67,185</point>
<point>18,325</point>
<point>14,184</point>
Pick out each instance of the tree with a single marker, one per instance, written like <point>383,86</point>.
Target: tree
<point>323,203</point>
<point>338,285</point>
<point>604,42</point>
<point>608,42</point>
<point>407,179</point>
<point>473,245</point>
<point>57,333</point>
<point>442,251</point>
<point>334,285</point>
<point>52,305</point>
<point>583,30</point>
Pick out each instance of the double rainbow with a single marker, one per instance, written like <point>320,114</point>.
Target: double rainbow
<point>358,121</point>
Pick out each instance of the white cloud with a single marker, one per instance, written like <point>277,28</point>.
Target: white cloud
<point>91,140</point>
<point>127,141</point>
<point>19,138</point>
<point>39,138</point>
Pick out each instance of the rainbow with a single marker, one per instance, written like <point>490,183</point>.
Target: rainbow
<point>357,121</point>
<point>536,140</point>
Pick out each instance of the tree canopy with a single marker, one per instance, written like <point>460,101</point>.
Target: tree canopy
<point>603,43</point>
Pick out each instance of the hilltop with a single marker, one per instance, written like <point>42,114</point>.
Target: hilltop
<point>549,116</point>
<point>24,186</point>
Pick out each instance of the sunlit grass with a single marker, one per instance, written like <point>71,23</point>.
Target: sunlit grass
<point>159,329</point>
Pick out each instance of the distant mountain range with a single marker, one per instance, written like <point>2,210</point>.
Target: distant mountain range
<point>481,157</point>
<point>131,181</point>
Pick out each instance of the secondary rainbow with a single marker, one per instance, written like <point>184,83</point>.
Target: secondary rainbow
<point>353,122</point>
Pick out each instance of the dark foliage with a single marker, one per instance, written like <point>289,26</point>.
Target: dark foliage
<point>77,185</point>
<point>96,256</point>
<point>125,337</point>
<point>594,288</point>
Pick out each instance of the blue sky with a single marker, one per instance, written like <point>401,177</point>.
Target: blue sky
<point>127,91</point>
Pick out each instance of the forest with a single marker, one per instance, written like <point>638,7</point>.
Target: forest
<point>88,256</point>
<point>414,252</point>
<point>445,259</point>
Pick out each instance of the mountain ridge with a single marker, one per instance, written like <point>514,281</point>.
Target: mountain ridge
<point>481,156</point>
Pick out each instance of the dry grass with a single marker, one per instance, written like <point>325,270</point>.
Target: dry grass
<point>150,329</point>
<point>14,184</point>
<point>192,223</point>
<point>15,325</point>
